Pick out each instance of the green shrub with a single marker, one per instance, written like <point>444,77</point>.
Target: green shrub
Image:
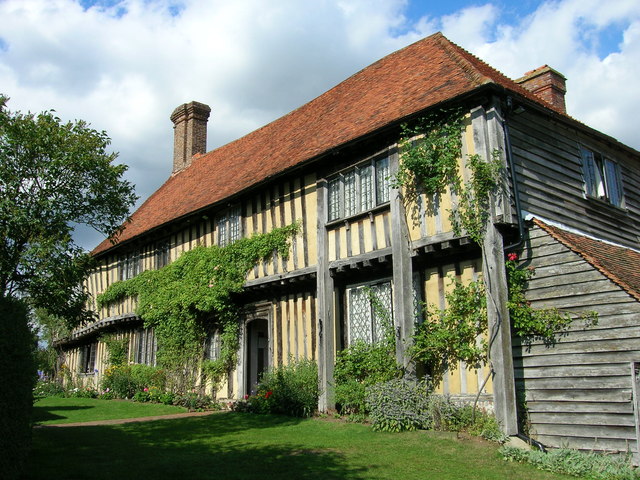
<point>48,388</point>
<point>397,405</point>
<point>17,380</point>
<point>591,465</point>
<point>195,402</point>
<point>83,392</point>
<point>359,366</point>
<point>290,390</point>
<point>125,381</point>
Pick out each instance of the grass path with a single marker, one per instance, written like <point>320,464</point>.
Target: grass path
<point>244,446</point>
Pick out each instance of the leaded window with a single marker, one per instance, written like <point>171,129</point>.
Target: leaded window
<point>162,254</point>
<point>130,265</point>
<point>369,312</point>
<point>212,346</point>
<point>359,189</point>
<point>601,177</point>
<point>145,347</point>
<point>229,226</point>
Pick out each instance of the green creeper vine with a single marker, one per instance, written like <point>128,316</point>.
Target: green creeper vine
<point>429,154</point>
<point>529,323</point>
<point>178,299</point>
<point>117,349</point>
<point>451,334</point>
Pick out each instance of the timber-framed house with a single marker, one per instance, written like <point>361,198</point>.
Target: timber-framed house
<point>570,205</point>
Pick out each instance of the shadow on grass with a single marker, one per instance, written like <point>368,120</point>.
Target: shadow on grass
<point>194,448</point>
<point>44,414</point>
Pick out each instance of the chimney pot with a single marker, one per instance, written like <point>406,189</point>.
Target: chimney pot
<point>189,133</point>
<point>547,84</point>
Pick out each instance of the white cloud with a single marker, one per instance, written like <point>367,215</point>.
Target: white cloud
<point>125,67</point>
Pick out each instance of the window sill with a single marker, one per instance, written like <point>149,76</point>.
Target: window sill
<point>605,203</point>
<point>354,218</point>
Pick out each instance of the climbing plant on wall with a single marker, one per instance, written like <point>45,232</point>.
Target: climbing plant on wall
<point>203,282</point>
<point>430,152</point>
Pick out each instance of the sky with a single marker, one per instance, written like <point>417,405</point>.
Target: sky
<point>124,65</point>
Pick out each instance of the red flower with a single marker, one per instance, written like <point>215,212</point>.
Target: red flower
<point>512,257</point>
<point>268,394</point>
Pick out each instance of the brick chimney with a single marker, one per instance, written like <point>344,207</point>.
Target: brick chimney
<point>547,84</point>
<point>189,133</point>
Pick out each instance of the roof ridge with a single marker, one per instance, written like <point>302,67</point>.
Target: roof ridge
<point>453,52</point>
<point>557,233</point>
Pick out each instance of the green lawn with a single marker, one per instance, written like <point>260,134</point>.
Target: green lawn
<point>244,446</point>
<point>52,410</point>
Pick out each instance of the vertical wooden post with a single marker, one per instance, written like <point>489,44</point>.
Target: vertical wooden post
<point>635,384</point>
<point>487,137</point>
<point>325,318</point>
<point>402,275</point>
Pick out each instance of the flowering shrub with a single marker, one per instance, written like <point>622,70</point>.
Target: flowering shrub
<point>288,390</point>
<point>48,388</point>
<point>125,381</point>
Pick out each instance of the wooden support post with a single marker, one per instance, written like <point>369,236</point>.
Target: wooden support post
<point>486,136</point>
<point>325,295</point>
<point>402,275</point>
<point>635,388</point>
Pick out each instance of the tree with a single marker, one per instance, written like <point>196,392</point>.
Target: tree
<point>54,175</point>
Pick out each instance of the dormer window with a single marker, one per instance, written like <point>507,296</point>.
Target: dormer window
<point>229,226</point>
<point>601,177</point>
<point>359,189</point>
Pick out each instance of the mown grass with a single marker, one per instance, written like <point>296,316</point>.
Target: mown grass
<point>245,446</point>
<point>54,410</point>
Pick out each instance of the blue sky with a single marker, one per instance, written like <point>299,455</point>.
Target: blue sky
<point>125,65</point>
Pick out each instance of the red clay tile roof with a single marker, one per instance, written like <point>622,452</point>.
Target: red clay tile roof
<point>422,75</point>
<point>620,264</point>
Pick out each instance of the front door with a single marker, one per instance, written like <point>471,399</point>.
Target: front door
<point>257,353</point>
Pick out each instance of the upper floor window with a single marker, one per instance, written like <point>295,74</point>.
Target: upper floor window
<point>129,265</point>
<point>359,189</point>
<point>601,177</point>
<point>229,226</point>
<point>212,345</point>
<point>162,254</point>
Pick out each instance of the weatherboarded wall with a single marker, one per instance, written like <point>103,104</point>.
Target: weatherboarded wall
<point>578,392</point>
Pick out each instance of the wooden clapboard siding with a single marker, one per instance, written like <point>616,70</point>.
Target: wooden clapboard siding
<point>549,170</point>
<point>458,380</point>
<point>578,391</point>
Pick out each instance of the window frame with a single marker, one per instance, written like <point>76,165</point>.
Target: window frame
<point>88,354</point>
<point>162,254</point>
<point>375,329</point>
<point>602,179</point>
<point>145,347</point>
<point>371,176</point>
<point>229,226</point>
<point>129,265</point>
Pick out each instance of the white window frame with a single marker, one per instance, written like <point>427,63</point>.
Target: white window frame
<point>229,226</point>
<point>601,177</point>
<point>358,189</point>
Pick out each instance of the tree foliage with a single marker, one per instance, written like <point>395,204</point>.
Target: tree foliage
<point>54,175</point>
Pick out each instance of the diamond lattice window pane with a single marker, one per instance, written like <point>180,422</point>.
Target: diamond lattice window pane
<point>359,316</point>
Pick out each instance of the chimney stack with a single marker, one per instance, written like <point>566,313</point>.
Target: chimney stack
<point>189,133</point>
<point>547,84</point>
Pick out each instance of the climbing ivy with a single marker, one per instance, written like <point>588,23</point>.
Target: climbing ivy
<point>177,299</point>
<point>429,164</point>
